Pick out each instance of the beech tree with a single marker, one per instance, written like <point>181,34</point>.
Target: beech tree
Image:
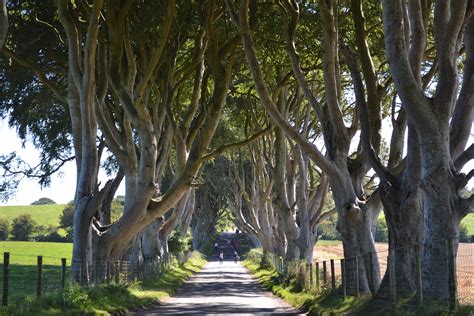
<point>442,120</point>
<point>3,21</point>
<point>356,211</point>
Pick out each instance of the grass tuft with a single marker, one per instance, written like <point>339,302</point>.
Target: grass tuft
<point>106,299</point>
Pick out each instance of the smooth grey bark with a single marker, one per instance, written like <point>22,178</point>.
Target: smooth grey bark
<point>145,209</point>
<point>441,182</point>
<point>352,217</point>
<point>82,72</point>
<point>249,199</point>
<point>3,22</point>
<point>399,190</point>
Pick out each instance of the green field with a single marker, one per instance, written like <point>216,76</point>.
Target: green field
<point>23,266</point>
<point>26,253</point>
<point>42,214</point>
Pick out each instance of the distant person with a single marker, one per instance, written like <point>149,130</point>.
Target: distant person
<point>236,256</point>
<point>216,246</point>
<point>237,231</point>
<point>221,256</point>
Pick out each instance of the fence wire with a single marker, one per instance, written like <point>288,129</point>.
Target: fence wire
<point>392,276</point>
<point>53,275</point>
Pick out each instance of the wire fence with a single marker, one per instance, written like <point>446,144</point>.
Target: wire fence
<point>391,276</point>
<point>51,275</point>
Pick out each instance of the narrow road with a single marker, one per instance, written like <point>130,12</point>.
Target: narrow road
<point>222,288</point>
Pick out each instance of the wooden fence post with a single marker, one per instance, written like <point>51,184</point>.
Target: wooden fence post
<point>419,284</point>
<point>39,281</point>
<point>452,286</point>
<point>63,273</point>
<point>6,274</point>
<point>333,275</point>
<point>343,276</point>
<point>393,285</point>
<point>317,275</point>
<point>356,279</point>
<point>371,273</point>
<point>311,275</point>
<point>117,272</point>
<point>307,276</point>
<point>325,271</point>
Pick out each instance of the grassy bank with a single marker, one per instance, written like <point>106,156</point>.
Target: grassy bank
<point>317,303</point>
<point>42,214</point>
<point>106,299</point>
<point>325,302</point>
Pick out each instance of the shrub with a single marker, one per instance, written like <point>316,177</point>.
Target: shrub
<point>43,201</point>
<point>327,229</point>
<point>49,234</point>
<point>178,244</point>
<point>464,233</point>
<point>381,230</point>
<point>66,220</point>
<point>4,229</point>
<point>22,227</point>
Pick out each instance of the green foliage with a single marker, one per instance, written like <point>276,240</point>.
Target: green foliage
<point>225,222</point>
<point>381,230</point>
<point>316,302</point>
<point>178,244</point>
<point>22,227</point>
<point>327,230</point>
<point>43,201</point>
<point>49,234</point>
<point>464,233</point>
<point>469,222</point>
<point>105,299</point>
<point>66,220</point>
<point>4,229</point>
<point>265,262</point>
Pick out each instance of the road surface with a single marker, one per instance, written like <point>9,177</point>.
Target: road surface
<point>222,288</point>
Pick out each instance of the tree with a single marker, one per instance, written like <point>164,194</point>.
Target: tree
<point>357,212</point>
<point>43,201</point>
<point>22,227</point>
<point>66,220</point>
<point>4,229</point>
<point>442,118</point>
<point>3,21</point>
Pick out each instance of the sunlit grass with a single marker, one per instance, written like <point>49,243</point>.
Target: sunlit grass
<point>42,214</point>
<point>105,299</point>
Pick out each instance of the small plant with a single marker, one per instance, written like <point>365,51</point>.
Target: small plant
<point>76,297</point>
<point>4,229</point>
<point>43,201</point>
<point>22,227</point>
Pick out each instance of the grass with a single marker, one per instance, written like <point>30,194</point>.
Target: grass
<point>23,266</point>
<point>316,303</point>
<point>26,252</point>
<point>469,222</point>
<point>106,299</point>
<point>325,302</point>
<point>42,214</point>
<point>329,242</point>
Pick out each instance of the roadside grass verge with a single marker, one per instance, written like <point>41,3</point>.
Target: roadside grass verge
<point>106,299</point>
<point>326,302</point>
<point>316,303</point>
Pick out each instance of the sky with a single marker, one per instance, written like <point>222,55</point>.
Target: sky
<point>63,185</point>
